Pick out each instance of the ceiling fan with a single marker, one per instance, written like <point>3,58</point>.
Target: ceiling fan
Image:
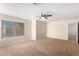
<point>44,15</point>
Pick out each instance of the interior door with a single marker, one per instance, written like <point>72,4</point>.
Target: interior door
<point>72,31</point>
<point>78,32</point>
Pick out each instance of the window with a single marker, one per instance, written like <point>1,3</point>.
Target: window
<point>19,28</point>
<point>10,28</point>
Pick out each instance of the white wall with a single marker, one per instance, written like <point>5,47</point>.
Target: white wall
<point>55,29</point>
<point>59,29</point>
<point>33,30</point>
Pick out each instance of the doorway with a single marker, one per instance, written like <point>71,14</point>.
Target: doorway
<point>72,31</point>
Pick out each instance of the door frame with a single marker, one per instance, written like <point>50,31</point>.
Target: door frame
<point>76,30</point>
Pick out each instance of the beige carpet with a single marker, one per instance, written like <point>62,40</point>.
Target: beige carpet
<point>44,47</point>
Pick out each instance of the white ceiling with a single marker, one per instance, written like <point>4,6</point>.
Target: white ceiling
<point>28,10</point>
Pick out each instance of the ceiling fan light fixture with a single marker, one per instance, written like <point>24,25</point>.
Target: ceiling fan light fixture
<point>45,14</point>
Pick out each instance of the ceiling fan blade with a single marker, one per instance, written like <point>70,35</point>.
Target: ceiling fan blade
<point>50,15</point>
<point>45,17</point>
